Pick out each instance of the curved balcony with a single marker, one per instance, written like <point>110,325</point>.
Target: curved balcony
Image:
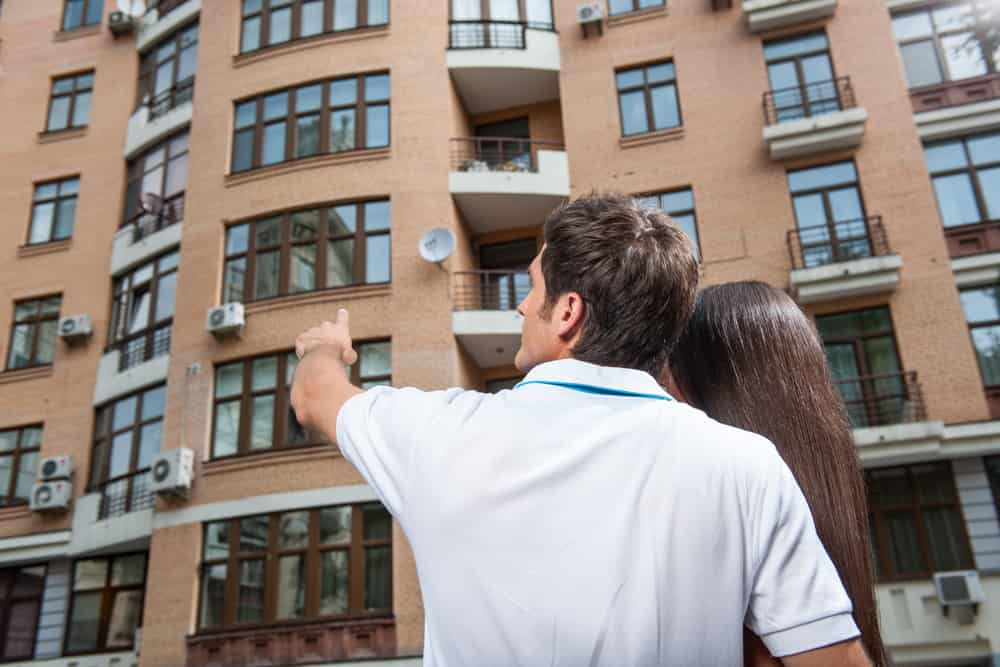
<point>159,117</point>
<point>812,118</point>
<point>764,15</point>
<point>164,17</point>
<point>501,64</point>
<point>485,320</point>
<point>501,183</point>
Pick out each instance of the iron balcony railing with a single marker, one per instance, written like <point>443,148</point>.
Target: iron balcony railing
<point>883,400</point>
<point>489,289</point>
<point>171,98</point>
<point>145,223</point>
<point>837,242</point>
<point>144,345</point>
<point>478,34</point>
<point>498,154</point>
<point>124,494</point>
<point>809,99</point>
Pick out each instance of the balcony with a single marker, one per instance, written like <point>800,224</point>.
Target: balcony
<point>485,320</point>
<point>95,531</point>
<point>812,118</point>
<point>765,15</point>
<point>160,116</point>
<point>844,259</point>
<point>164,17</point>
<point>148,234</point>
<point>501,64</point>
<point>882,400</point>
<point>501,183</point>
<point>306,643</point>
<point>956,108</point>
<point>133,363</point>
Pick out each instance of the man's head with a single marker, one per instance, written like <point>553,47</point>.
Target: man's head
<point>614,285</point>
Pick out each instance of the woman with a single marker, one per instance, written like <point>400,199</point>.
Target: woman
<point>751,359</point>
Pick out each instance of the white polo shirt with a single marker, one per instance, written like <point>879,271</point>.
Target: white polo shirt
<point>585,518</point>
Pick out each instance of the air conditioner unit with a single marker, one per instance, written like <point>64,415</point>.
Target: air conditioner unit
<point>226,319</point>
<point>51,496</point>
<point>173,472</point>
<point>958,588</point>
<point>589,12</point>
<point>120,23</point>
<point>75,328</point>
<point>56,468</point>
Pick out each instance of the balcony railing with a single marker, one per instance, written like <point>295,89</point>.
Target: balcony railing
<point>145,223</point>
<point>124,494</point>
<point>806,100</point>
<point>489,289</point>
<point>171,98</point>
<point>955,93</point>
<point>163,7</point>
<point>486,34</point>
<point>837,242</point>
<point>498,154</point>
<point>883,400</point>
<point>144,345</point>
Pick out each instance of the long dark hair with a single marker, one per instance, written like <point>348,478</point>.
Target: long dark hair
<point>750,358</point>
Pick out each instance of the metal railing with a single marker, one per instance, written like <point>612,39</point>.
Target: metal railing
<point>805,100</point>
<point>498,154</point>
<point>164,7</point>
<point>479,34</point>
<point>145,223</point>
<point>144,346</point>
<point>489,289</point>
<point>171,98</point>
<point>837,242</point>
<point>883,400</point>
<point>124,494</point>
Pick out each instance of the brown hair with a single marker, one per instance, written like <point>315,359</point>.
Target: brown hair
<point>750,358</point>
<point>635,271</point>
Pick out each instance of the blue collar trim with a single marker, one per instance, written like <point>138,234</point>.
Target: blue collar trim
<point>593,389</point>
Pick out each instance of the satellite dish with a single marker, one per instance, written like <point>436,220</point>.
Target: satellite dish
<point>132,7</point>
<point>437,245</point>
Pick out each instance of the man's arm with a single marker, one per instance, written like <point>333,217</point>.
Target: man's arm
<point>321,385</point>
<point>845,654</point>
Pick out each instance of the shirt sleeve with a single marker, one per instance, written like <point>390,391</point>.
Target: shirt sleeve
<point>379,432</point>
<point>797,602</point>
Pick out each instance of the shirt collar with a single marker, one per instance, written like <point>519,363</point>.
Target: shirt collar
<point>575,372</point>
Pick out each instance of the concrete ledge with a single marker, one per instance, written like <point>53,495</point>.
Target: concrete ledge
<point>111,383</point>
<point>127,659</point>
<point>125,254</point>
<point>37,546</point>
<point>491,337</point>
<point>870,275</point>
<point>92,536</point>
<point>764,15</point>
<point>143,133</point>
<point>959,652</point>
<point>976,269</point>
<point>926,441</point>
<point>492,79</point>
<point>958,120</point>
<point>817,134</point>
<point>152,29</point>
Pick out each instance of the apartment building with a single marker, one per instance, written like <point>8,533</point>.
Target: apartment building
<point>190,183</point>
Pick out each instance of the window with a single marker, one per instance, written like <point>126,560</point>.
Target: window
<point>801,75</point>
<point>503,281</point>
<point>982,312</point>
<point>647,98</point>
<point>252,408</point>
<point>498,24</point>
<point>326,117</point>
<point>106,603</point>
<point>18,464</point>
<point>679,205</point>
<point>917,526</point>
<point>79,13</point>
<point>142,310</point>
<point>278,21</point>
<point>33,333</point>
<point>53,210</point>
<point>21,590</point>
<point>616,7</point>
<point>330,562</point>
<point>157,180</point>
<point>69,103</point>
<point>166,73</point>
<point>966,176</point>
<point>829,214</point>
<point>127,436</point>
<point>942,44</point>
<point>861,350</point>
<point>992,465</point>
<point>304,251</point>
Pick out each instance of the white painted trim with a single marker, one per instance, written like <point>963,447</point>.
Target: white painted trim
<point>763,15</point>
<point>125,254</point>
<point>35,540</point>
<point>976,270</point>
<point>276,502</point>
<point>870,275</point>
<point>141,133</point>
<point>112,383</point>
<point>127,659</point>
<point>34,547</point>
<point>958,120</point>
<point>816,134</point>
<point>152,29</point>
<point>926,441</point>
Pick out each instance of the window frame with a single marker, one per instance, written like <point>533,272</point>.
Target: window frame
<point>8,584</point>
<point>56,200</point>
<point>647,97</point>
<point>984,324</point>
<point>295,23</point>
<point>37,320</point>
<point>916,509</point>
<point>326,110</point>
<point>635,8</point>
<point>108,594</point>
<point>971,170</point>
<point>935,38</point>
<point>286,244</point>
<point>312,565</point>
<point>122,300</point>
<point>11,499</point>
<point>805,102</point>
<point>149,65</point>
<point>83,13</point>
<point>136,170</point>
<point>659,194</point>
<point>72,99</point>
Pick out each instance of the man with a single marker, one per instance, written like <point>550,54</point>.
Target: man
<point>586,518</point>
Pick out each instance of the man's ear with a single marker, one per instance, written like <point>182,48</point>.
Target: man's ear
<point>569,311</point>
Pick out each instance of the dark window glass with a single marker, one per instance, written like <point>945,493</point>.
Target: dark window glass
<point>106,603</point>
<point>829,214</point>
<point>993,472</point>
<point>966,177</point>
<point>142,311</point>
<point>53,210</point>
<point>69,102</point>
<point>943,44</point>
<point>79,13</point>
<point>166,72</point>
<point>21,590</point>
<point>33,332</point>
<point>982,312</point>
<point>157,181</point>
<point>18,463</point>
<point>679,205</point>
<point>647,98</point>
<point>801,75</point>
<point>272,22</point>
